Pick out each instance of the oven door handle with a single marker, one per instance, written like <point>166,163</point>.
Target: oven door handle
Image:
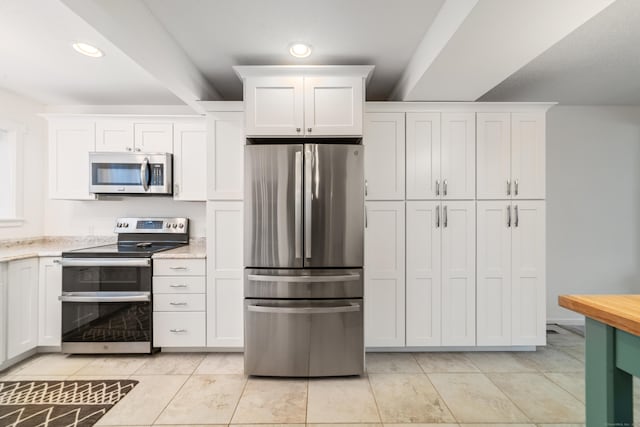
<point>105,297</point>
<point>105,262</point>
<point>304,310</point>
<point>303,279</point>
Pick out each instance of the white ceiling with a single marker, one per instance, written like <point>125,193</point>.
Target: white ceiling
<point>217,34</point>
<point>36,60</point>
<point>599,63</point>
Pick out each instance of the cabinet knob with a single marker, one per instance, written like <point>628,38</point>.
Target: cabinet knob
<point>309,129</point>
<point>129,148</point>
<point>298,129</point>
<point>138,150</point>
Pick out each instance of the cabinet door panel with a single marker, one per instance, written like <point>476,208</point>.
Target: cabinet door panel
<point>153,137</point>
<point>114,135</point>
<point>494,156</point>
<point>423,274</point>
<point>22,309</point>
<point>49,307</point>
<point>333,106</point>
<point>224,278</point>
<point>423,155</point>
<point>458,274</point>
<point>225,155</point>
<point>274,106</point>
<point>3,307</point>
<point>494,273</point>
<point>528,274</point>
<point>384,156</point>
<point>458,156</point>
<point>190,162</point>
<point>384,294</point>
<point>528,155</point>
<point>70,142</point>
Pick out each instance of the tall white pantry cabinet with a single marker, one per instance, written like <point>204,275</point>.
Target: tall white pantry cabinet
<point>455,231</point>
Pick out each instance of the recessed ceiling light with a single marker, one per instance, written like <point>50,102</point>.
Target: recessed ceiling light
<point>88,50</point>
<point>300,50</point>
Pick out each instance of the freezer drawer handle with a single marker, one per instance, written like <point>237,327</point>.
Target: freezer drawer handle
<point>104,297</point>
<point>304,310</point>
<point>105,262</point>
<point>303,279</point>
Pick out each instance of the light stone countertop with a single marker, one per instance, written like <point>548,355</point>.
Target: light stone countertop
<point>197,248</point>
<point>12,250</point>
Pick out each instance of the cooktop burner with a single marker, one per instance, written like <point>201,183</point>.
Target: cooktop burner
<point>139,238</point>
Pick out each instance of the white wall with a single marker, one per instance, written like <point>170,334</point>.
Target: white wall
<point>97,218</point>
<point>23,112</point>
<point>593,203</point>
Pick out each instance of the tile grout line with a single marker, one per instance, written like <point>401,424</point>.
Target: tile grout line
<point>560,385</point>
<point>375,399</point>
<point>235,408</point>
<point>509,397</point>
<point>164,408</point>
<point>306,405</point>
<point>444,402</point>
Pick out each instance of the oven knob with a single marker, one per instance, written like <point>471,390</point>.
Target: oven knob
<point>119,225</point>
<point>168,225</point>
<point>175,225</point>
<point>181,225</point>
<point>126,225</point>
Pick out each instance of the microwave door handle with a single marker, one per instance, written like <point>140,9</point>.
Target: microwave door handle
<point>144,174</point>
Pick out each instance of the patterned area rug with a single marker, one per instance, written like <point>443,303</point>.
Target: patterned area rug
<point>59,403</point>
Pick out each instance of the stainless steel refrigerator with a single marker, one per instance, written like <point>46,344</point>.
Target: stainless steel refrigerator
<point>304,245</point>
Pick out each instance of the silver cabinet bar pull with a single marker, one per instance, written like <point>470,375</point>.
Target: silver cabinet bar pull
<point>438,216</point>
<point>509,216</point>
<point>304,310</point>
<point>437,187</point>
<point>444,187</point>
<point>445,217</point>
<point>178,268</point>
<point>177,303</point>
<point>177,286</point>
<point>303,279</point>
<point>366,187</point>
<point>308,198</point>
<point>177,330</point>
<point>515,183</point>
<point>298,205</point>
<point>517,220</point>
<point>366,217</point>
<point>508,187</point>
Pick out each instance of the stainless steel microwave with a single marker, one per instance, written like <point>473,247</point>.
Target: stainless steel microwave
<point>130,173</point>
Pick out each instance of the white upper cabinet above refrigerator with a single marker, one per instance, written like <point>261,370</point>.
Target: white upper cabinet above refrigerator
<point>511,155</point>
<point>384,157</point>
<point>282,101</point>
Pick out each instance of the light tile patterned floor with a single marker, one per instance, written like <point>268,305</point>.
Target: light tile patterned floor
<point>545,388</point>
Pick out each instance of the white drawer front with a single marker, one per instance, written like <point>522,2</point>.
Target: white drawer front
<point>179,329</point>
<point>179,285</point>
<point>179,302</point>
<point>179,267</point>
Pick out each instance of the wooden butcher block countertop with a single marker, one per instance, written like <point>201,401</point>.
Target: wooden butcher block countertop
<point>620,311</point>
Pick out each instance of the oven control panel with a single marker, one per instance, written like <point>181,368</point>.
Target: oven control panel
<point>152,225</point>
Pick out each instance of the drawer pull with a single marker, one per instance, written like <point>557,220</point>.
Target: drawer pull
<point>178,303</point>
<point>177,331</point>
<point>304,310</point>
<point>177,286</point>
<point>178,268</point>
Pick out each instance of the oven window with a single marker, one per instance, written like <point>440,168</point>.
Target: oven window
<point>116,174</point>
<point>106,322</point>
<point>106,279</point>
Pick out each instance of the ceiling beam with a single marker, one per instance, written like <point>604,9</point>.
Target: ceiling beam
<point>133,29</point>
<point>473,45</point>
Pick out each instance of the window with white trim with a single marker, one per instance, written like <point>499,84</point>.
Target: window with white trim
<point>10,209</point>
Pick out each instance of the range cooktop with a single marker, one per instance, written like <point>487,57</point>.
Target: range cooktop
<point>125,250</point>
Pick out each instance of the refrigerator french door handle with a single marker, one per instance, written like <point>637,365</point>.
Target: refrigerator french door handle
<point>308,196</point>
<point>298,205</point>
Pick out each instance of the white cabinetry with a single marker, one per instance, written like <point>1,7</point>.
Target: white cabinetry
<point>3,312</point>
<point>225,278</point>
<point>22,306</point>
<point>179,317</point>
<point>303,101</point>
<point>511,156</point>
<point>70,142</point>
<point>49,306</point>
<point>384,293</point>
<point>190,161</point>
<point>225,153</point>
<point>384,141</point>
<point>126,134</point>
<point>333,105</point>
<point>153,137</point>
<point>114,135</point>
<point>440,273</point>
<point>423,156</point>
<point>458,156</point>
<point>511,273</point>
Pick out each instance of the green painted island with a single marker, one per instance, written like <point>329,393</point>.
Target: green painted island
<point>612,355</point>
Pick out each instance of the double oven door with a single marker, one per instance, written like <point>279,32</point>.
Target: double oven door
<point>106,305</point>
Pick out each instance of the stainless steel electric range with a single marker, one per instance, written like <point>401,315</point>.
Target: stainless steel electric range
<point>106,290</point>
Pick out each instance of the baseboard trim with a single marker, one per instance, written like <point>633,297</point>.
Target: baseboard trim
<point>572,322</point>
